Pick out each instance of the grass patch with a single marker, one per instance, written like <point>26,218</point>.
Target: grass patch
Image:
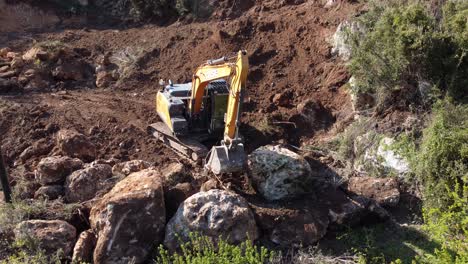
<point>385,243</point>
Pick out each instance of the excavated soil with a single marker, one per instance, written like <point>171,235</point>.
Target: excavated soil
<point>290,58</point>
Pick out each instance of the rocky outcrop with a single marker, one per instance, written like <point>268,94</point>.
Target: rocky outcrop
<point>341,38</point>
<point>291,226</point>
<point>50,192</point>
<point>385,191</point>
<point>128,167</point>
<point>51,235</point>
<point>215,214</point>
<point>55,169</point>
<point>84,247</point>
<point>84,184</point>
<point>376,156</point>
<point>279,173</point>
<point>77,145</point>
<point>129,220</point>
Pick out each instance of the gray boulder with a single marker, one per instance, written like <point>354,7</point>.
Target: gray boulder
<point>279,173</point>
<point>215,214</point>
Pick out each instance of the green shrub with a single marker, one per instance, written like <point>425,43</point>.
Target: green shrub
<point>404,44</point>
<point>201,250</point>
<point>439,161</point>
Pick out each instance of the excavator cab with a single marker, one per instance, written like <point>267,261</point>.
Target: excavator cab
<point>206,111</point>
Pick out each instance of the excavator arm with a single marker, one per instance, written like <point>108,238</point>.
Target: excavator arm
<point>219,69</point>
<point>229,156</point>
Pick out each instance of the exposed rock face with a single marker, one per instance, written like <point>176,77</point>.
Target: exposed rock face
<point>50,192</point>
<point>391,159</point>
<point>126,168</point>
<point>382,190</point>
<point>83,185</point>
<point>279,173</point>
<point>379,159</point>
<point>84,247</point>
<point>291,226</point>
<point>340,39</point>
<point>51,235</point>
<point>74,144</point>
<point>214,214</point>
<point>129,220</point>
<point>55,169</point>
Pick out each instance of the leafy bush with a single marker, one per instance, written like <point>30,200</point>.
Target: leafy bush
<point>405,44</point>
<point>439,160</point>
<point>201,250</point>
<point>449,226</point>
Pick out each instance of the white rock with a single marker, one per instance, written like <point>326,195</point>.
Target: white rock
<point>279,173</point>
<point>215,214</point>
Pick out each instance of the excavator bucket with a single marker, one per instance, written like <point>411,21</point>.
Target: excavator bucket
<point>226,160</point>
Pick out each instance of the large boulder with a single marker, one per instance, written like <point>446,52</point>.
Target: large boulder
<point>279,173</point>
<point>52,235</point>
<point>55,169</point>
<point>215,214</point>
<point>84,184</point>
<point>128,167</point>
<point>129,220</point>
<point>84,247</point>
<point>77,145</point>
<point>291,225</point>
<point>385,191</point>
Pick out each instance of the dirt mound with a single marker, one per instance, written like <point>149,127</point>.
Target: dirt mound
<point>290,63</point>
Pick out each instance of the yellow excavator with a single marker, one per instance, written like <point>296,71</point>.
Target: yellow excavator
<point>199,114</point>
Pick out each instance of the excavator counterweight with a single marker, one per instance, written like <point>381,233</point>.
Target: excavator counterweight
<point>197,115</point>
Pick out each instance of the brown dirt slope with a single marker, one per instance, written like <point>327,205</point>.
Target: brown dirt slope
<point>289,55</point>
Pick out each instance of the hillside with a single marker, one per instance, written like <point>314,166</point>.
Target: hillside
<point>78,81</point>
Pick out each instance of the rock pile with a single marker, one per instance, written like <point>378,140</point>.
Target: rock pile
<point>135,207</point>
